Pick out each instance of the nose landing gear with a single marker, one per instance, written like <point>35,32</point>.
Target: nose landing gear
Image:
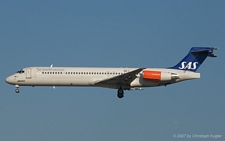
<point>17,89</point>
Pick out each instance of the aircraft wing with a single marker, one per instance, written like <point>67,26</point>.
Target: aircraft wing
<point>122,80</point>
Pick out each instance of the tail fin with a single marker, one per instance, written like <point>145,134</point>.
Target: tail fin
<point>195,58</point>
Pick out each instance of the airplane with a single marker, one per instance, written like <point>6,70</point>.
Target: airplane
<point>115,78</point>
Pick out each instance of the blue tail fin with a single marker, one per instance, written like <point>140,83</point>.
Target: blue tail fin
<point>194,58</point>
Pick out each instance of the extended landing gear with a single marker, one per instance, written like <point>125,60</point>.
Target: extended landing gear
<point>17,89</point>
<point>120,93</point>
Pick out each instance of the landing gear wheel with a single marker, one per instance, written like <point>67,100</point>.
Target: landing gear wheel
<point>17,90</point>
<point>120,93</point>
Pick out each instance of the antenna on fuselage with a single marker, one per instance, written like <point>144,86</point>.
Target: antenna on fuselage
<point>51,65</point>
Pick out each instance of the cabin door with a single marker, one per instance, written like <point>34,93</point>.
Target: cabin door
<point>28,74</point>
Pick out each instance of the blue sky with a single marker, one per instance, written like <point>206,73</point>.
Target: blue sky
<point>111,34</point>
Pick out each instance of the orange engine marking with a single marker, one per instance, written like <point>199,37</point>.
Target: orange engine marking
<point>152,75</point>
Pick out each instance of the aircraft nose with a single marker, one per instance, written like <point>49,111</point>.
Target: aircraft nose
<point>9,80</point>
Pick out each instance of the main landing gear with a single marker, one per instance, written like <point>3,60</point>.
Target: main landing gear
<point>120,93</point>
<point>17,89</point>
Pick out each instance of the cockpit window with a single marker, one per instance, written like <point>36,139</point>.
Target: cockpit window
<point>20,71</point>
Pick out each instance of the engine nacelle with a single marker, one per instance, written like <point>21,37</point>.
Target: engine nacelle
<point>159,76</point>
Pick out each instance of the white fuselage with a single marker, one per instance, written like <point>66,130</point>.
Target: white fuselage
<point>81,76</point>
